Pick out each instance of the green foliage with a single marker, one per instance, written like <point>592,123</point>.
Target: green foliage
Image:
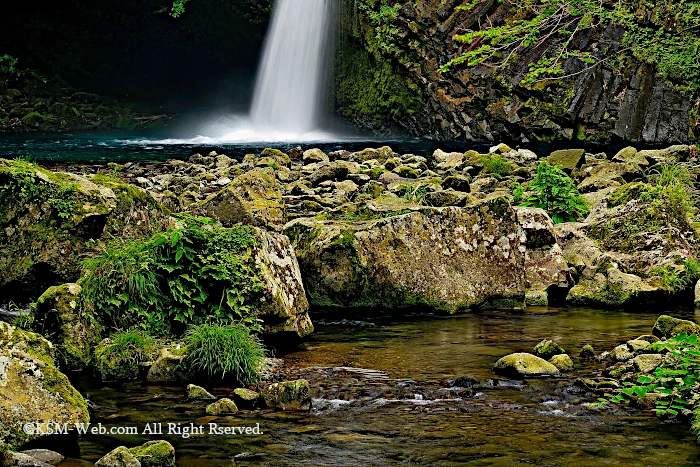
<point>178,8</point>
<point>382,16</point>
<point>556,193</point>
<point>677,279</point>
<point>496,165</point>
<point>229,350</point>
<point>661,33</point>
<point>8,65</point>
<point>415,193</point>
<point>673,382</point>
<point>120,357</point>
<point>175,279</point>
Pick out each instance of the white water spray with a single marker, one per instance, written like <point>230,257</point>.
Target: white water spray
<point>290,88</point>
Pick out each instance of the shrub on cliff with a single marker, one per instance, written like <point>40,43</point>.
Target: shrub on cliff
<point>556,193</point>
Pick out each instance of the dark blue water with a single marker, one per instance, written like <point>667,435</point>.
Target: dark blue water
<point>129,147</point>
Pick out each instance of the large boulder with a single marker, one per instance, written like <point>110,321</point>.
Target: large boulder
<point>668,326</point>
<point>546,269</point>
<point>33,392</point>
<point>526,365</point>
<point>449,259</point>
<point>47,218</point>
<point>169,367</point>
<point>567,159</point>
<point>57,313</point>
<point>253,198</point>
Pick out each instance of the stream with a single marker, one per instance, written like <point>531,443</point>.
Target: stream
<point>382,397</point>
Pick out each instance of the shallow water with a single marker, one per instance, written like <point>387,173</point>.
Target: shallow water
<point>381,397</point>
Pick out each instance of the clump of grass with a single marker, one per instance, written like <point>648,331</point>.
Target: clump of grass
<point>496,165</point>
<point>221,351</point>
<point>120,357</point>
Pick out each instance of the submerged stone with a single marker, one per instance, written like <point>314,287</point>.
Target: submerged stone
<point>195,392</point>
<point>245,398</point>
<point>526,365</point>
<point>222,406</point>
<point>547,349</point>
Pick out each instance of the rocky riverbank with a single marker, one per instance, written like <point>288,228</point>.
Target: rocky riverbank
<point>128,265</point>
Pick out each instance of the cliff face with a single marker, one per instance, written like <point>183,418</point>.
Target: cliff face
<point>619,99</point>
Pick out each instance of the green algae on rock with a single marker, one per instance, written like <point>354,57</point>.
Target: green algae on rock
<point>222,407</point>
<point>547,349</point>
<point>288,395</point>
<point>32,390</point>
<point>195,393</point>
<point>450,259</point>
<point>155,454</point>
<point>526,365</point>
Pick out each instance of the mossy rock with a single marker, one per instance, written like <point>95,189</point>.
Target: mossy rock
<point>119,457</point>
<point>155,454</point>
<point>562,362</point>
<point>668,326</point>
<point>547,349</point>
<point>525,365</point>
<point>198,393</point>
<point>288,395</point>
<point>222,407</point>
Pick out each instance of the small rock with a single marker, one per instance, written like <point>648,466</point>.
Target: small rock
<point>222,406</point>
<point>465,382</point>
<point>587,353</point>
<point>547,349</point>
<point>567,159</point>
<point>621,353</point>
<point>168,368</point>
<point>155,454</point>
<point>222,181</point>
<point>195,392</point>
<point>647,363</point>
<point>636,345</point>
<point>120,457</point>
<point>245,398</point>
<point>525,364</point>
<point>314,155</point>
<point>697,295</point>
<point>562,362</point>
<point>502,148</point>
<point>288,395</point>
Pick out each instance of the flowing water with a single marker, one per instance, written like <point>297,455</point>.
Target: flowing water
<point>382,397</point>
<point>290,89</point>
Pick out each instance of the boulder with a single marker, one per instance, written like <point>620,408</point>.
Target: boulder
<point>630,155</point>
<point>32,389</point>
<point>288,395</point>
<point>442,198</point>
<point>526,365</point>
<point>169,367</point>
<point>74,333</point>
<point>114,363</point>
<point>155,454</point>
<point>18,459</point>
<point>667,326</point>
<point>197,393</point>
<point>221,407</point>
<point>609,174</point>
<point>567,159</point>
<point>380,155</point>
<point>449,259</point>
<point>547,349</point>
<point>47,218</point>
<point>44,455</point>
<point>621,353</point>
<point>314,155</point>
<point>252,198</point>
<point>120,457</point>
<point>587,353</point>
<point>562,362</point>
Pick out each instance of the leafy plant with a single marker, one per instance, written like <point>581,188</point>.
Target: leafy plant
<point>178,8</point>
<point>415,193</point>
<point>229,350</point>
<point>8,65</point>
<point>175,279</point>
<point>673,382</point>
<point>382,16</point>
<point>556,193</point>
<point>120,357</point>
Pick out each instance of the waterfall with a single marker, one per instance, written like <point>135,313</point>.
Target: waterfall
<point>290,88</point>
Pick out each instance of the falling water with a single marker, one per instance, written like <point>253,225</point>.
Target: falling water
<point>290,88</point>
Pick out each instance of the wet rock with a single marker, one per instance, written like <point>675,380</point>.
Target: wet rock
<point>245,398</point>
<point>599,384</point>
<point>587,353</point>
<point>120,457</point>
<point>113,364</point>
<point>288,395</point>
<point>667,326</point>
<point>334,171</point>
<point>380,155</point>
<point>612,289</point>
<point>314,155</point>
<point>18,459</point>
<point>446,258</point>
<point>525,364</point>
<point>169,367</point>
<point>155,454</point>
<point>44,455</point>
<point>547,349</point>
<point>466,382</point>
<point>697,295</point>
<point>253,198</point>
<point>636,345</point>
<point>562,362</point>
<point>647,363</point>
<point>195,393</point>
<point>222,406</point>
<point>567,159</point>
<point>32,389</point>
<point>56,313</point>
